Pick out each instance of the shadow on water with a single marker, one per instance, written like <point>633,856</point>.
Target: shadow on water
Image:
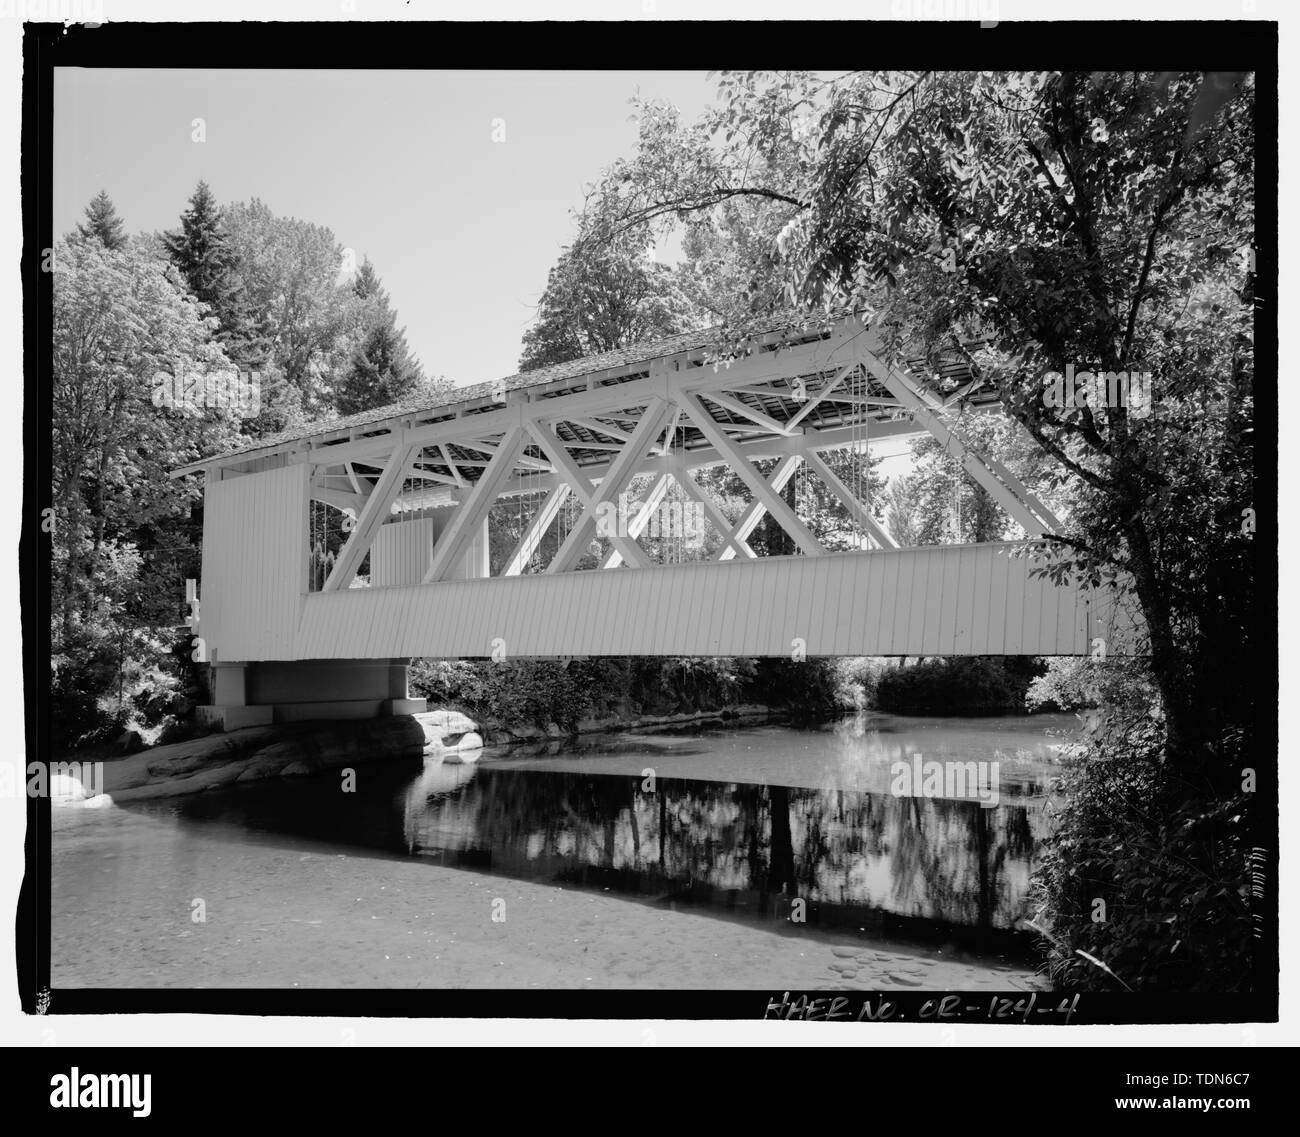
<point>923,869</point>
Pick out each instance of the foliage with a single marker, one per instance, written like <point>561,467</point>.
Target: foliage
<point>201,250</point>
<point>939,502</point>
<point>1074,683</point>
<point>959,685</point>
<point>1038,223</point>
<point>1092,220</point>
<point>289,272</point>
<point>381,369</point>
<point>122,535</point>
<point>103,223</point>
<point>229,286</point>
<point>541,692</point>
<point>1137,876</point>
<point>856,680</point>
<point>808,689</point>
<point>605,295</point>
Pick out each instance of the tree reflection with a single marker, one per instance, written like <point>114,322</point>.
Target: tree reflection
<point>936,859</point>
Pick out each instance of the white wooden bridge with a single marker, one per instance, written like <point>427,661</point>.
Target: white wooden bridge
<point>330,557</point>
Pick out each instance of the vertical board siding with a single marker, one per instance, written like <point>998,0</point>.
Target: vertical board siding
<point>254,564</point>
<point>967,600</point>
<point>401,553</point>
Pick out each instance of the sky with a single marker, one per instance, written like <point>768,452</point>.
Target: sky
<point>401,165</point>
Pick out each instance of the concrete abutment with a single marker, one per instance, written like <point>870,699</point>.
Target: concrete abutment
<point>275,691</point>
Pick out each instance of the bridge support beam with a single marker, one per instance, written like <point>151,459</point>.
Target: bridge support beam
<point>255,694</point>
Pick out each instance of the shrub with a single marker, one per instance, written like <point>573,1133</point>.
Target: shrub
<point>1072,683</point>
<point>807,689</point>
<point>961,685</point>
<point>540,692</point>
<point>107,678</point>
<point>856,678</point>
<point>1145,874</point>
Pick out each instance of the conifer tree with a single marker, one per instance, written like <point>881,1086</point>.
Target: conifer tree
<point>381,369</point>
<point>103,223</point>
<point>201,250</point>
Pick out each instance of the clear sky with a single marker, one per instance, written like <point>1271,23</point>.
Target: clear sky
<point>400,165</point>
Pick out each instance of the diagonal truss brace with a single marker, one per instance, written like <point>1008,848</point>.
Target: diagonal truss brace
<point>578,484</point>
<point>537,527</point>
<point>849,500</point>
<point>474,508</point>
<point>621,472</point>
<point>373,515</point>
<point>1009,494</point>
<point>785,469</point>
<point>637,522</point>
<point>759,486</point>
<point>731,539</point>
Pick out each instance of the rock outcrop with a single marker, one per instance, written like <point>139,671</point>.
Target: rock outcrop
<point>217,761</point>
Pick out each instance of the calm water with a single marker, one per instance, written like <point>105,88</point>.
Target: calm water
<point>758,824</point>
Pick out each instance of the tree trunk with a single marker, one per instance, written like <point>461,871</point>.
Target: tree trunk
<point>1184,738</point>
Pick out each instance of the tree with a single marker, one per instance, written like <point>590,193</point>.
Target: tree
<point>202,251</point>
<point>380,370</point>
<point>948,505</point>
<point>121,526</point>
<point>1093,220</point>
<point>902,503</point>
<point>1069,223</point>
<point>289,272</point>
<point>103,223</point>
<point>605,295</point>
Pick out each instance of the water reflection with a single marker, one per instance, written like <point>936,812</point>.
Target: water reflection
<point>747,822</point>
<point>854,858</point>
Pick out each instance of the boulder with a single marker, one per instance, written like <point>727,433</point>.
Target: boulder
<point>443,723</point>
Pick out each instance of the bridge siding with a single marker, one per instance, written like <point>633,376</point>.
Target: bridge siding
<point>933,600</point>
<point>254,564</point>
<point>722,608</point>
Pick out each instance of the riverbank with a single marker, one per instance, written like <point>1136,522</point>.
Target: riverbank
<point>284,912</point>
<point>218,761</point>
<point>497,734</point>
